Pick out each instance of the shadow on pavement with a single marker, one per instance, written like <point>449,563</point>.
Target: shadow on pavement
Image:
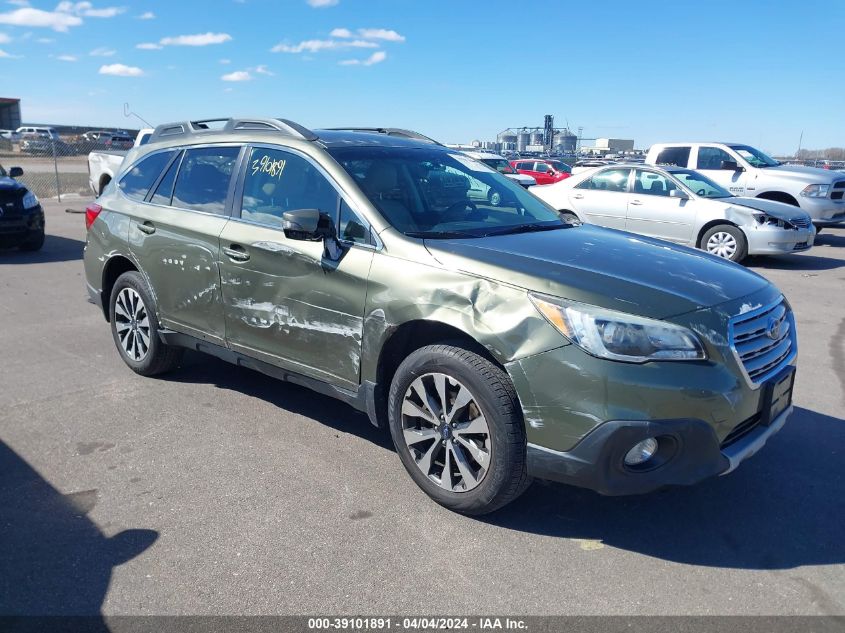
<point>781,509</point>
<point>55,249</point>
<point>53,559</point>
<point>199,368</point>
<point>805,261</point>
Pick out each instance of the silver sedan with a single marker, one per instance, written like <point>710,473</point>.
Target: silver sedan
<point>682,206</point>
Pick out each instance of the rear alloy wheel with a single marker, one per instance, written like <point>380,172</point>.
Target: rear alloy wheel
<point>135,328</point>
<point>458,429</point>
<point>726,241</point>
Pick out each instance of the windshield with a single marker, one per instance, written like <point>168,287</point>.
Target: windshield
<point>560,166</point>
<point>435,193</point>
<point>700,185</point>
<point>499,164</point>
<point>755,157</point>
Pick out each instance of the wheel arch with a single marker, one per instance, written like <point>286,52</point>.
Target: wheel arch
<point>779,196</point>
<point>115,266</point>
<point>709,225</point>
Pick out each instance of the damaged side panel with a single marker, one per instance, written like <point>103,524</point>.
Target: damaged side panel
<point>289,306</point>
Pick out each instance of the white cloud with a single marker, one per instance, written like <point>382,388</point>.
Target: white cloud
<point>45,40</point>
<point>238,75</point>
<point>225,61</point>
<point>322,4</point>
<point>19,3</point>
<point>201,39</point>
<point>5,55</point>
<point>102,52</point>
<point>149,46</point>
<point>87,9</point>
<point>388,35</point>
<point>375,58</point>
<point>121,70</point>
<point>4,39</point>
<point>314,46</point>
<point>67,58</point>
<point>26,16</point>
<point>146,15</point>
<point>263,70</point>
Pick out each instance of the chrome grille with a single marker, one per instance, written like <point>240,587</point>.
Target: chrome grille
<point>801,223</point>
<point>763,340</point>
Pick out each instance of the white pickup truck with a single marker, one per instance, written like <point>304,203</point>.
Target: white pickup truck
<point>748,172</point>
<point>104,164</point>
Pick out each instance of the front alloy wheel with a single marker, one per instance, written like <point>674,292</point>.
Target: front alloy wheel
<point>132,323</point>
<point>445,432</point>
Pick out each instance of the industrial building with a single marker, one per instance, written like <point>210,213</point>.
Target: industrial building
<point>10,113</point>
<point>605,146</point>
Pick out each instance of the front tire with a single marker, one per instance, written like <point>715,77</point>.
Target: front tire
<point>134,328</point>
<point>33,242</point>
<point>458,429</point>
<point>725,241</point>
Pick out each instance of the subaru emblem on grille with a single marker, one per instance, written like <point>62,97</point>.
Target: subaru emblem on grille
<point>773,331</point>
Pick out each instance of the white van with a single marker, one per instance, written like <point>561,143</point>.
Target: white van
<point>40,131</point>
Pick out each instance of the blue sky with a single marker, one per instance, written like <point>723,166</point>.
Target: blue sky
<point>752,71</point>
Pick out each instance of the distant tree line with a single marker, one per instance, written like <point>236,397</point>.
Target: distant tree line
<point>831,153</point>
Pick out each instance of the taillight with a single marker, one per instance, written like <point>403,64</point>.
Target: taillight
<point>91,213</point>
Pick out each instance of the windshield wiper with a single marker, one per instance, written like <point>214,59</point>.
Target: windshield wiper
<point>524,228</point>
<point>439,235</point>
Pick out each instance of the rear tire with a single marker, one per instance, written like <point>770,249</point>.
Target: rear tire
<point>451,408</point>
<point>725,241</point>
<point>134,327</point>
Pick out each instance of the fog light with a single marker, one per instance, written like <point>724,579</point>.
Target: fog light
<point>641,452</point>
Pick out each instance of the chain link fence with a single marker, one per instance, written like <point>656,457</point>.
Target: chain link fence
<point>52,168</point>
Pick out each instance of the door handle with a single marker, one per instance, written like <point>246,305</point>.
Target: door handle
<point>578,196</point>
<point>236,253</point>
<point>636,202</point>
<point>147,227</point>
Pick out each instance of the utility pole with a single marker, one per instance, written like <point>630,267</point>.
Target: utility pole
<point>800,140</point>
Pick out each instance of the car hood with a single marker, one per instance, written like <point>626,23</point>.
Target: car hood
<point>10,184</point>
<point>779,210</point>
<point>811,175</point>
<point>522,179</point>
<point>603,267</point>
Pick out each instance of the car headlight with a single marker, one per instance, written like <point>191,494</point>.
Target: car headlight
<point>766,220</point>
<point>30,200</point>
<point>815,191</point>
<point>617,335</point>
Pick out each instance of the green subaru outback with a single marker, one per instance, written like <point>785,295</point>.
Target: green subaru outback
<point>495,341</point>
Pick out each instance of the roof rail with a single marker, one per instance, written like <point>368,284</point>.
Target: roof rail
<point>389,131</point>
<point>202,126</point>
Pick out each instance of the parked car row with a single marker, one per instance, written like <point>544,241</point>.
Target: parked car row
<point>37,140</point>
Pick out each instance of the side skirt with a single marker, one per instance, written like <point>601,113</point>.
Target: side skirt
<point>360,399</point>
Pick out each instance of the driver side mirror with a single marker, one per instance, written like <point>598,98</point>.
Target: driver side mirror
<point>15,172</point>
<point>677,193</point>
<point>302,224</point>
<point>731,165</point>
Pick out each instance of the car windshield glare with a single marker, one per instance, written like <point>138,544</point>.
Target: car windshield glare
<point>700,185</point>
<point>755,157</point>
<point>436,193</point>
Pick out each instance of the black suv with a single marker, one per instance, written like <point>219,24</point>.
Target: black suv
<point>21,215</point>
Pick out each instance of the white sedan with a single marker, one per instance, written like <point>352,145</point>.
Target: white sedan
<point>682,206</point>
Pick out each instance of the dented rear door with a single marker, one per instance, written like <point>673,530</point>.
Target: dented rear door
<point>284,302</point>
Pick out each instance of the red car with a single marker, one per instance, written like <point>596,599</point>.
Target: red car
<point>545,171</point>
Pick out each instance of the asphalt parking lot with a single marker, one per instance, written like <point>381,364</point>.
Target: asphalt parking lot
<point>216,490</point>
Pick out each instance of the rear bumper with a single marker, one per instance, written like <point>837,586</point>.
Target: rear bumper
<point>688,453</point>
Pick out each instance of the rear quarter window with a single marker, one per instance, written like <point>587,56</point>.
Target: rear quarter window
<point>137,181</point>
<point>203,180</point>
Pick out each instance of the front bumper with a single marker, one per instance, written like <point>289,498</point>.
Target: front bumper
<point>824,211</point>
<point>775,241</point>
<point>14,230</point>
<point>688,453</point>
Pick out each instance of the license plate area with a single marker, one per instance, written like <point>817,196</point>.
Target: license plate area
<point>777,395</point>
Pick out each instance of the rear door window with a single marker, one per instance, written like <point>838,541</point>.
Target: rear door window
<point>164,191</point>
<point>204,177</point>
<point>137,181</point>
<point>615,180</point>
<point>678,156</point>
